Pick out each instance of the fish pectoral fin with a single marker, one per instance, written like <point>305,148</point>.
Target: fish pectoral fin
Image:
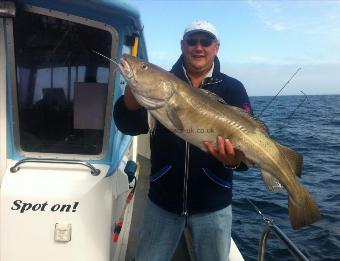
<point>175,120</point>
<point>294,159</point>
<point>271,182</point>
<point>249,163</point>
<point>149,103</point>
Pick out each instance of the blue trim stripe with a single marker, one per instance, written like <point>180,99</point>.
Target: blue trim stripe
<point>160,173</point>
<point>216,179</point>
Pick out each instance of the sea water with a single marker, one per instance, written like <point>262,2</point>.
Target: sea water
<point>311,126</point>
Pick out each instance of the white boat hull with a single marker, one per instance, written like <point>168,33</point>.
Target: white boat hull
<point>35,199</point>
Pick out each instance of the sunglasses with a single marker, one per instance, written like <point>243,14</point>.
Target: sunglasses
<point>205,42</point>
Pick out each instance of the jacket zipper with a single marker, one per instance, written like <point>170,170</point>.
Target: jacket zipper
<point>186,169</point>
<point>186,177</point>
<point>186,163</point>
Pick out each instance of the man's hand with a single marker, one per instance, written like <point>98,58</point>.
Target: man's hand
<point>225,152</point>
<point>130,100</point>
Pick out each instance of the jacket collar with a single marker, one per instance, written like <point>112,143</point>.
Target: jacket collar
<point>177,69</point>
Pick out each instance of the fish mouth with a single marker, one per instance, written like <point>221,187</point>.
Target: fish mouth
<point>125,68</point>
<point>141,94</point>
<point>127,72</point>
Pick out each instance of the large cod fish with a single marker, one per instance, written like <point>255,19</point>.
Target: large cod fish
<point>183,110</point>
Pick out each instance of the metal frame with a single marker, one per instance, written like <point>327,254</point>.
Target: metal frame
<point>270,227</point>
<point>294,251</point>
<point>109,106</point>
<point>3,116</point>
<point>7,9</point>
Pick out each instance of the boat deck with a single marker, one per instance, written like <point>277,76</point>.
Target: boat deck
<point>141,192</point>
<point>183,252</point>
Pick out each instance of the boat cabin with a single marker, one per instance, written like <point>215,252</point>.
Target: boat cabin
<point>62,159</point>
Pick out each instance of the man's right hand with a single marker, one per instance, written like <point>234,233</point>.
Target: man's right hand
<point>130,100</point>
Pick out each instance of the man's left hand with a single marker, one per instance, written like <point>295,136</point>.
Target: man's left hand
<point>225,152</point>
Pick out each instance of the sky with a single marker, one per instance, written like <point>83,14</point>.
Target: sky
<point>262,43</point>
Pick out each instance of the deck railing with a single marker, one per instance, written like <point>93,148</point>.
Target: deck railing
<point>270,227</point>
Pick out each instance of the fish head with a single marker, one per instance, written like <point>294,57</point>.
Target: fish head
<point>151,85</point>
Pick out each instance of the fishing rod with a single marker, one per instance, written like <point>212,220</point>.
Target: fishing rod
<point>111,60</point>
<point>284,86</point>
<point>297,107</point>
<point>108,58</point>
<point>270,227</point>
<point>265,219</point>
<point>293,112</point>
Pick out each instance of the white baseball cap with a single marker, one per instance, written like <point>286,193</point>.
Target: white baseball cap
<point>201,26</point>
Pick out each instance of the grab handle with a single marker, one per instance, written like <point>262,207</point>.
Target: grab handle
<point>16,168</point>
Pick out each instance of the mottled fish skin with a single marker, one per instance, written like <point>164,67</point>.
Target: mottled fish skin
<point>197,116</point>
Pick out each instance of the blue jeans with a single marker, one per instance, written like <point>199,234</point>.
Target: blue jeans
<point>211,234</point>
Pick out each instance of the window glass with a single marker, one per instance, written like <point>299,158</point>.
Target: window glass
<point>62,84</point>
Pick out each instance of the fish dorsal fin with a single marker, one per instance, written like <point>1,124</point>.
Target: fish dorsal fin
<point>212,95</point>
<point>260,124</point>
<point>271,182</point>
<point>293,159</point>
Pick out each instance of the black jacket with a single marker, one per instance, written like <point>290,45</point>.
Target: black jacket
<point>207,185</point>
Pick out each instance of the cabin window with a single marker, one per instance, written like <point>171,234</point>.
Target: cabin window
<point>62,85</point>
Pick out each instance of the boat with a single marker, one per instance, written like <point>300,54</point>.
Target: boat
<point>68,176</point>
<point>63,162</point>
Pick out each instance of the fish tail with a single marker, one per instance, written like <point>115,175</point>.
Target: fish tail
<point>304,212</point>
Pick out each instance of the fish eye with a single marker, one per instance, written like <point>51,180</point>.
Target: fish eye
<point>144,66</point>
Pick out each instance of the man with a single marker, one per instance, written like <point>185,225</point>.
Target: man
<point>188,187</point>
